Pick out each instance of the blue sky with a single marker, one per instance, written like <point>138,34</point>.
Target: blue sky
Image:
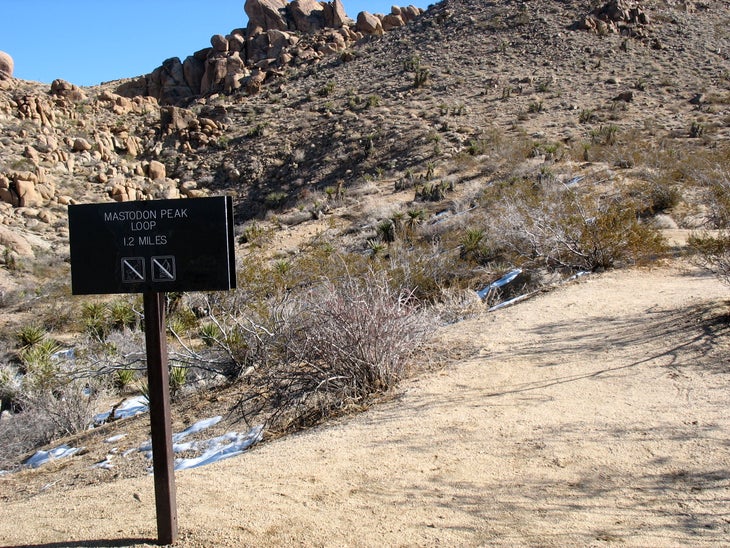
<point>87,42</point>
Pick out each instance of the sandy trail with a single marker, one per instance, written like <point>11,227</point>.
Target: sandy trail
<point>591,414</point>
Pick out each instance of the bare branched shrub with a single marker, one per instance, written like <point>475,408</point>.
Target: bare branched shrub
<point>243,333</point>
<point>20,434</point>
<point>348,338</point>
<point>712,249</point>
<point>47,414</point>
<point>713,253</point>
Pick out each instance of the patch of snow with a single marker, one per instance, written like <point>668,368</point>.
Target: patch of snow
<point>115,439</point>
<point>511,301</point>
<point>504,280</point>
<point>211,450</point>
<point>129,408</point>
<point>223,447</point>
<point>197,427</point>
<point>106,464</point>
<point>42,457</point>
<point>68,354</point>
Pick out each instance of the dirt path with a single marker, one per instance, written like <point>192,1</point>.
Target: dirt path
<point>592,414</point>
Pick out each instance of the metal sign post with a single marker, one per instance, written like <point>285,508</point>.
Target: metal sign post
<point>158,379</point>
<point>153,247</point>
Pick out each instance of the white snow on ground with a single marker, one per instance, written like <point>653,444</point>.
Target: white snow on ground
<point>130,408</point>
<point>42,457</point>
<point>115,439</point>
<point>504,280</point>
<point>197,427</point>
<point>211,450</point>
<point>223,447</point>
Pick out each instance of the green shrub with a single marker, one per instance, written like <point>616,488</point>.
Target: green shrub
<point>210,333</point>
<point>122,315</point>
<point>94,316</point>
<point>30,335</point>
<point>123,378</point>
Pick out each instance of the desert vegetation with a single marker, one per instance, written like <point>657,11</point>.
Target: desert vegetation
<point>320,332</point>
<point>377,191</point>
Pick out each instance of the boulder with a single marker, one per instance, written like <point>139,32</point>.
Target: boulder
<point>156,171</point>
<point>80,145</point>
<point>334,14</point>
<point>174,119</point>
<point>307,15</point>
<point>219,43</point>
<point>368,24</point>
<point>6,66</point>
<point>392,21</point>
<point>265,15</point>
<point>167,83</point>
<point>27,194</point>
<point>62,88</point>
<point>193,71</point>
<point>15,242</point>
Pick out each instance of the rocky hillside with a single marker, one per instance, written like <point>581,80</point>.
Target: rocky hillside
<point>306,103</point>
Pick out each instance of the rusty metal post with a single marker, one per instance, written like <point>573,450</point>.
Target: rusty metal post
<point>158,379</point>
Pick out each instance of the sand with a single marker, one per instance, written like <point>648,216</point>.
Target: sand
<point>589,415</point>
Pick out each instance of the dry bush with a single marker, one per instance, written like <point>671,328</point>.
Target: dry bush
<point>560,228</point>
<point>20,434</point>
<point>712,249</point>
<point>46,414</point>
<point>713,253</point>
<point>347,339</point>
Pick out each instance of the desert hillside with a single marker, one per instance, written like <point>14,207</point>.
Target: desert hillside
<point>480,254</point>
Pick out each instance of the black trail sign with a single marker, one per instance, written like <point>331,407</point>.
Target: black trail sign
<point>158,245</point>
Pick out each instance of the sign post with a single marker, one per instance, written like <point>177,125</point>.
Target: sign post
<point>153,247</point>
<point>158,382</point>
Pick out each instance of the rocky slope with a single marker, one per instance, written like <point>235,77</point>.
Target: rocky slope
<point>382,106</point>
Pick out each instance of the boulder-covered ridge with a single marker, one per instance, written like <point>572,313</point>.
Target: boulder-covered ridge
<point>415,104</point>
<point>279,34</point>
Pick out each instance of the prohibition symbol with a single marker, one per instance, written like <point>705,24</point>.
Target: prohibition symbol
<point>163,268</point>
<point>133,269</point>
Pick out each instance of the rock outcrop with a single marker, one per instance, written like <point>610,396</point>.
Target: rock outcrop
<point>615,17</point>
<point>279,33</point>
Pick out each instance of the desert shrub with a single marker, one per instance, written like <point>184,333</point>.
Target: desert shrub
<point>717,190</point>
<point>123,378</point>
<point>654,197</point>
<point>40,368</point>
<point>713,253</point>
<point>122,314</point>
<point>10,386</point>
<point>30,335</point>
<point>711,250</point>
<point>46,414</point>
<point>244,331</point>
<point>95,319</point>
<point>210,333</point>
<point>178,378</point>
<point>559,228</point>
<point>21,434</point>
<point>347,338</point>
